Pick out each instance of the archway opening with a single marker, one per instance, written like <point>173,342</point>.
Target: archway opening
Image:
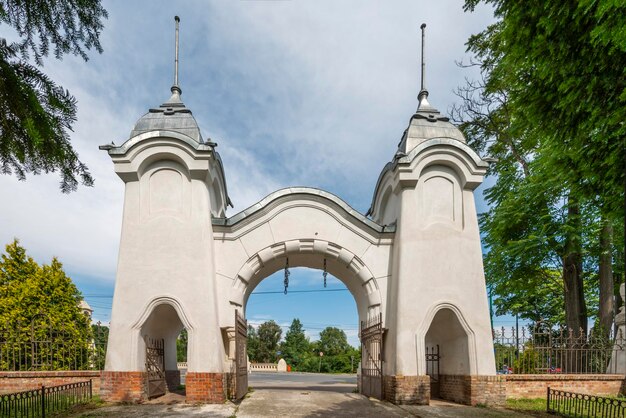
<point>447,355</point>
<point>161,348</point>
<point>312,330</point>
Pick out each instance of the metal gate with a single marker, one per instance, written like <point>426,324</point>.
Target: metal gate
<point>432,369</point>
<point>372,357</point>
<point>241,356</point>
<point>155,367</point>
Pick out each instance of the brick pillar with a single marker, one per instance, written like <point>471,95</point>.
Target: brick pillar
<point>204,387</point>
<point>123,386</point>
<point>473,390</point>
<point>407,390</point>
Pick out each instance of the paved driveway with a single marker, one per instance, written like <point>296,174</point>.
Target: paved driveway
<point>297,395</point>
<point>344,383</point>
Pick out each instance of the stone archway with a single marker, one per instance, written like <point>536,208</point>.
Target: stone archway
<point>417,244</point>
<point>340,262</point>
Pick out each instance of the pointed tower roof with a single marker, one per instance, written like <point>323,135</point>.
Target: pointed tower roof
<point>427,122</point>
<point>171,115</point>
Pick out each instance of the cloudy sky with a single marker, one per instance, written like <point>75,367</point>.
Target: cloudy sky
<point>311,93</point>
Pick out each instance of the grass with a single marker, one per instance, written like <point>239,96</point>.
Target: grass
<point>526,404</point>
<point>95,403</point>
<point>531,406</point>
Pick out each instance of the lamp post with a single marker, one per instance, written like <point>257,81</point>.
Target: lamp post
<point>319,370</point>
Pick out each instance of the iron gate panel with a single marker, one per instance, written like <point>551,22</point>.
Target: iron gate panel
<point>372,357</point>
<point>241,356</point>
<point>155,367</point>
<point>432,369</point>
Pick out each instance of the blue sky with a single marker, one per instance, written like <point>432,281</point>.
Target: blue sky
<point>295,93</point>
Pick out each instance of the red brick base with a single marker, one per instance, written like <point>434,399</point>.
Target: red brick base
<point>21,381</point>
<point>204,387</point>
<point>473,390</point>
<point>123,386</point>
<point>536,385</point>
<point>407,390</point>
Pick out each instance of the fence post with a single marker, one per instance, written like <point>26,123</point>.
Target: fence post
<point>90,390</point>
<point>548,400</point>
<point>43,401</point>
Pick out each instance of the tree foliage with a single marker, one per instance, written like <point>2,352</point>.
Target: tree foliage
<point>296,346</point>
<point>549,107</point>
<point>37,114</point>
<point>182,342</point>
<point>40,303</point>
<point>301,354</point>
<point>333,341</point>
<point>269,333</point>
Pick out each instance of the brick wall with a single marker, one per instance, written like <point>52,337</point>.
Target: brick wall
<point>205,387</point>
<point>473,390</point>
<point>123,386</point>
<point>536,385</point>
<point>20,381</point>
<point>407,390</point>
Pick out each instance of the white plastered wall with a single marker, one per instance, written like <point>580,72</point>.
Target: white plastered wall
<point>307,229</point>
<point>166,255</point>
<point>437,257</point>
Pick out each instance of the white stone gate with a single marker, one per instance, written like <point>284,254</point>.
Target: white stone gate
<point>415,258</point>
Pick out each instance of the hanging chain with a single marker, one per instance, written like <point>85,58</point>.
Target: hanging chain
<point>325,273</point>
<point>287,273</point>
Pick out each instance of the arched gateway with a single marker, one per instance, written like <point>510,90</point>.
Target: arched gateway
<point>413,264</point>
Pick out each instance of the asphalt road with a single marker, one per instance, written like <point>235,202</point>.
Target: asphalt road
<point>345,383</point>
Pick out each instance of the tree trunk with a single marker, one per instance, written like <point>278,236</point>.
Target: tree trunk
<point>605,277</point>
<point>575,307</point>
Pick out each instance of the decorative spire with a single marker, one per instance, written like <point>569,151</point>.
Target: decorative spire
<point>423,94</point>
<point>422,89</point>
<point>177,20</point>
<point>175,100</point>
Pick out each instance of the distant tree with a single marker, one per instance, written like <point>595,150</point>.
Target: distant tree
<point>40,303</point>
<point>181,346</point>
<point>333,341</point>
<point>253,344</point>
<point>296,345</point>
<point>100,340</point>
<point>269,335</point>
<point>36,114</point>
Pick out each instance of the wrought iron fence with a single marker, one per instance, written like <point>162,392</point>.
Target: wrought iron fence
<point>47,400</point>
<point>40,346</point>
<point>544,349</point>
<point>575,405</point>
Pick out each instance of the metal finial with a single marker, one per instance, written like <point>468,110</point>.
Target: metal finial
<point>177,20</point>
<point>423,94</point>
<point>423,27</point>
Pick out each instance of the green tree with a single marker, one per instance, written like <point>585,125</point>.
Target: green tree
<point>37,114</point>
<point>269,335</point>
<point>252,344</point>
<point>181,345</point>
<point>333,341</point>
<point>40,305</point>
<point>100,335</point>
<point>549,107</point>
<point>296,345</point>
